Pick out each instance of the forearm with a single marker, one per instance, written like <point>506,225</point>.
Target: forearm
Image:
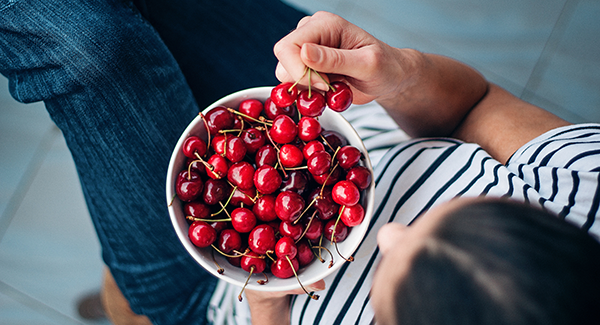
<point>434,95</point>
<point>268,310</point>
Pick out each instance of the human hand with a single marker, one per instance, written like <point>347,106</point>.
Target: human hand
<point>329,44</point>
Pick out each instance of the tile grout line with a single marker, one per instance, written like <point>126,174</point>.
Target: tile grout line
<point>26,180</point>
<point>35,304</point>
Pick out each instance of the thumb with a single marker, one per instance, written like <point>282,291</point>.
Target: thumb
<point>331,60</point>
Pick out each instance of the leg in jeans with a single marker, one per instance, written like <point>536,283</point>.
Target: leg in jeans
<point>121,100</point>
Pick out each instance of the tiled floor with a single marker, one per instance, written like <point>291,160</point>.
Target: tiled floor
<point>545,51</point>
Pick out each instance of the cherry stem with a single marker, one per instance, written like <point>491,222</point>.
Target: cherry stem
<point>307,226</point>
<point>226,203</point>
<point>327,179</point>
<point>336,223</point>
<point>328,251</point>
<point>327,83</point>
<point>313,296</point>
<point>261,282</point>
<point>245,284</point>
<point>326,142</point>
<point>276,148</point>
<point>306,68</point>
<point>303,212</point>
<point>309,87</point>
<point>207,220</point>
<point>227,255</point>
<point>262,120</point>
<point>205,126</point>
<point>219,268</point>
<point>172,200</point>
<point>319,247</point>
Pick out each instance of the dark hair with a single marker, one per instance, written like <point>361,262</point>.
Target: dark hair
<point>502,262</point>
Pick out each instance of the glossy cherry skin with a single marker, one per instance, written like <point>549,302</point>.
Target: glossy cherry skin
<point>341,231</point>
<point>251,107</point>
<point>311,103</point>
<point>253,139</point>
<point>284,94</point>
<point>266,155</point>
<point>308,129</point>
<point>243,220</point>
<point>289,205</point>
<point>360,176</point>
<point>305,254</point>
<point>229,240</point>
<point>319,163</point>
<point>328,178</point>
<point>333,140</point>
<point>325,206</point>
<point>264,208</point>
<point>220,167</point>
<point>314,230</point>
<point>286,247</point>
<point>282,268</point>
<point>188,186</point>
<point>345,193</point>
<point>352,215</point>
<point>289,229</point>
<point>290,156</point>
<point>193,146</point>
<point>348,157</point>
<point>295,181</point>
<point>262,239</point>
<point>340,99</point>
<point>312,147</point>
<point>219,118</point>
<point>272,111</point>
<point>284,129</point>
<point>215,191</point>
<point>235,150</point>
<point>201,234</point>
<point>219,143</point>
<point>241,174</point>
<point>196,209</point>
<point>252,262</point>
<point>243,197</point>
<point>267,179</point>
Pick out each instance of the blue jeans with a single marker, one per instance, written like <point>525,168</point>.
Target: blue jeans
<point>122,80</point>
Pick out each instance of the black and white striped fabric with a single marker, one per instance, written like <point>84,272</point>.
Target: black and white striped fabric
<point>559,170</point>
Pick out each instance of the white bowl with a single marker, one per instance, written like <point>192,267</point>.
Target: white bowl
<point>330,120</point>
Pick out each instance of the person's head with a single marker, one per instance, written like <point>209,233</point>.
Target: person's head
<point>487,261</point>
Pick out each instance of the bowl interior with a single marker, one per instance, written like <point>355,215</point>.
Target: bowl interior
<point>330,120</point>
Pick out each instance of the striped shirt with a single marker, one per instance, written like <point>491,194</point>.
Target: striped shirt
<point>559,170</point>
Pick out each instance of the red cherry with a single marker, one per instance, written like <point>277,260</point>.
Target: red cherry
<point>252,262</point>
<point>282,268</point>
<point>284,94</point>
<point>360,176</point>
<point>289,206</point>
<point>267,179</point>
<point>325,206</point>
<point>188,186</point>
<point>251,107</point>
<point>195,165</point>
<point>308,129</point>
<point>241,174</point>
<point>340,99</point>
<point>196,209</point>
<point>295,181</point>
<point>341,231</point>
<point>314,230</point>
<point>310,103</point>
<point>272,111</point>
<point>333,140</point>
<point>262,239</point>
<point>348,157</point>
<point>290,156</point>
<point>243,220</point>
<point>352,215</point>
<point>215,190</point>
<point>219,225</point>
<point>266,155</point>
<point>283,130</point>
<point>253,139</point>
<point>194,145</point>
<point>312,147</point>
<point>220,167</point>
<point>229,240</point>
<point>264,208</point>
<point>345,193</point>
<point>319,163</point>
<point>235,150</point>
<point>219,143</point>
<point>202,234</point>
<point>218,118</point>
<point>241,197</point>
<point>328,178</point>
<point>286,247</point>
<point>289,229</point>
<point>305,254</point>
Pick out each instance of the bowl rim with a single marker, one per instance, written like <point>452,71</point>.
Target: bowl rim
<point>274,284</point>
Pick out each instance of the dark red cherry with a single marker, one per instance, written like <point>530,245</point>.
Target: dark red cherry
<point>243,197</point>
<point>272,111</point>
<point>312,147</point>
<point>215,190</point>
<point>241,174</point>
<point>341,231</point>
<point>284,130</point>
<point>253,262</point>
<point>286,246</point>
<point>339,99</point>
<point>201,234</point>
<point>264,208</point>
<point>266,155</point>
<point>289,229</point>
<point>290,156</point>
<point>193,146</point>
<point>333,140</point>
<point>295,181</point>
<point>196,209</point>
<point>328,178</point>
<point>360,176</point>
<point>282,268</point>
<point>319,163</point>
<point>305,254</point>
<point>314,230</point>
<point>253,139</point>
<point>348,157</point>
<point>308,129</point>
<point>235,150</point>
<point>345,193</point>
<point>284,94</point>
<point>262,239</point>
<point>219,118</point>
<point>188,186</point>
<point>219,143</point>
<point>229,240</point>
<point>267,179</point>
<point>251,107</point>
<point>195,165</point>
<point>310,103</point>
<point>243,220</point>
<point>289,205</point>
<point>352,215</point>
<point>220,166</point>
<point>325,206</point>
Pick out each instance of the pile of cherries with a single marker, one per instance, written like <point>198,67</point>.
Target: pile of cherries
<point>267,185</point>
